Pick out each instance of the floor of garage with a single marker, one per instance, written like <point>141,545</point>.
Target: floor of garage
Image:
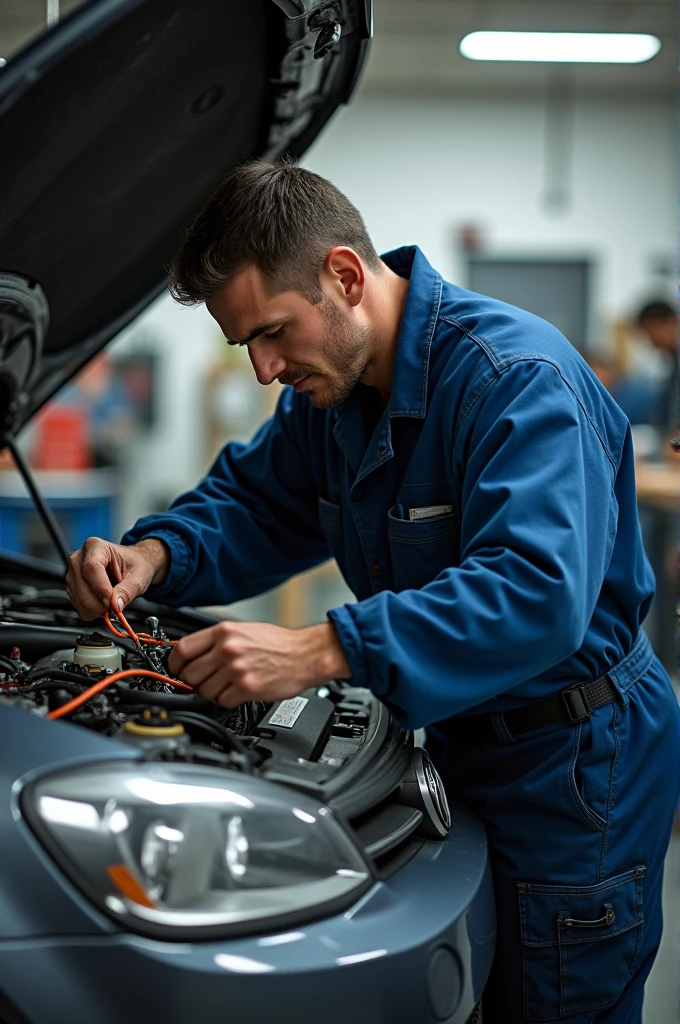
<point>663,988</point>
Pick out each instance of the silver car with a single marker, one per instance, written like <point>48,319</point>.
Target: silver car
<point>162,859</point>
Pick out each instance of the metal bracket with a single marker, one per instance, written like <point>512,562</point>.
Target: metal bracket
<point>327,23</point>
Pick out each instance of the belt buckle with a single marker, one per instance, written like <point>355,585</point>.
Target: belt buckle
<point>574,704</point>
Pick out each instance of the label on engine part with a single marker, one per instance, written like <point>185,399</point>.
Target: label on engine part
<point>288,712</point>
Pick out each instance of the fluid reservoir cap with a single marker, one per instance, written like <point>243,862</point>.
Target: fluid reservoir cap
<point>95,649</point>
<point>93,640</point>
<point>153,722</point>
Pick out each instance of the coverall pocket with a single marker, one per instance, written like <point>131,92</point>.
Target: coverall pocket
<point>330,516</point>
<point>589,773</point>
<point>579,943</point>
<point>422,549</point>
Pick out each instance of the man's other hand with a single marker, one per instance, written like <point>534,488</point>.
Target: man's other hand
<point>101,570</point>
<point>234,662</point>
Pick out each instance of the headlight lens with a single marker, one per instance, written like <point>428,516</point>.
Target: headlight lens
<point>187,849</point>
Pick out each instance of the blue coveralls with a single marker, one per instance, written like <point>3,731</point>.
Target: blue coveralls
<point>529,578</point>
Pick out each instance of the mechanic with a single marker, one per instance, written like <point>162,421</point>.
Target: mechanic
<point>475,484</point>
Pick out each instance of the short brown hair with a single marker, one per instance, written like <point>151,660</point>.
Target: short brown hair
<point>656,311</point>
<point>279,217</point>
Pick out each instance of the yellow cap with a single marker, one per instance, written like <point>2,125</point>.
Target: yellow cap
<point>157,731</point>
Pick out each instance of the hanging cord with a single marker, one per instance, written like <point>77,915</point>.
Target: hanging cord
<point>46,514</point>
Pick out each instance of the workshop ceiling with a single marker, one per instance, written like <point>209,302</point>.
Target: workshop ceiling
<point>416,43</point>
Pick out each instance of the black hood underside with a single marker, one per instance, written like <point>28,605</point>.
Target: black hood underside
<point>115,128</point>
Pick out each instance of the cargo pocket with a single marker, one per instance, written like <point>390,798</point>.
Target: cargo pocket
<point>579,943</point>
<point>421,550</point>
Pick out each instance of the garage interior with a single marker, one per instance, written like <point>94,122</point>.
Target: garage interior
<point>550,186</point>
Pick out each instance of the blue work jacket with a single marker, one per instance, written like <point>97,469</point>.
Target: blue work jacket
<point>487,524</point>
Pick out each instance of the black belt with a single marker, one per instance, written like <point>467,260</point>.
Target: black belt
<point>568,706</point>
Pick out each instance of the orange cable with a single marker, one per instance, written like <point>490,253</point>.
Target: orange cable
<point>130,631</point>
<point>92,691</point>
<point>113,629</point>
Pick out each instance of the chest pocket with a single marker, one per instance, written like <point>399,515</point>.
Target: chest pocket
<point>330,517</point>
<point>422,549</point>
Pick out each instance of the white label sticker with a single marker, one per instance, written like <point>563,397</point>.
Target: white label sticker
<point>429,512</point>
<point>288,712</point>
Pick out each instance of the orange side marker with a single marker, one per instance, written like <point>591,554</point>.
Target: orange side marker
<point>128,886</point>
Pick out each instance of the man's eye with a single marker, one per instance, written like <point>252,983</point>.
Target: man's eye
<point>276,334</point>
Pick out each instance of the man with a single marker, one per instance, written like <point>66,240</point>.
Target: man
<point>659,321</point>
<point>475,484</point>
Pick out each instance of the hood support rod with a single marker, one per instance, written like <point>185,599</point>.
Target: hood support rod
<point>46,513</point>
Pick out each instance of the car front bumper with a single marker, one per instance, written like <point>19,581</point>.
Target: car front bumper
<point>417,947</point>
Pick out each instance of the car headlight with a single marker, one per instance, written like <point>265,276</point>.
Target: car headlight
<point>182,849</point>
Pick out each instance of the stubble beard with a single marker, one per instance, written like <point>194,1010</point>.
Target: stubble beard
<point>346,349</point>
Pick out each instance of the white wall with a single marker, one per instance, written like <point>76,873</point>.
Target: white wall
<point>171,457</point>
<point>418,168</point>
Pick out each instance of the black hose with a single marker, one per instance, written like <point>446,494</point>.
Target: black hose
<point>224,737</point>
<point>128,695</point>
<point>42,597</point>
<point>57,674</point>
<point>46,684</point>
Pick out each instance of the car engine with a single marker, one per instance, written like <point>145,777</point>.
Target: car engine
<point>334,741</point>
<point>92,681</point>
<point>103,678</point>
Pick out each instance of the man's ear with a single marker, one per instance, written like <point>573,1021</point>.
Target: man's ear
<point>343,275</point>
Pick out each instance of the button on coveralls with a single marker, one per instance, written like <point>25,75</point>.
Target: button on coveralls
<point>530,579</point>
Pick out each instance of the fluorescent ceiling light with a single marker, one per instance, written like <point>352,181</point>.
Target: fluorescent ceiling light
<point>563,47</point>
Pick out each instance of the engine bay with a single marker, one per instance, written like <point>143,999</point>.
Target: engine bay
<point>335,742</point>
<point>112,677</point>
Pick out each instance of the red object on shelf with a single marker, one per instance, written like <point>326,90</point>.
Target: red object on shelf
<point>62,440</point>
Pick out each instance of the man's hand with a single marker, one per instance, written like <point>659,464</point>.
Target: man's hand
<point>98,565</point>
<point>234,662</point>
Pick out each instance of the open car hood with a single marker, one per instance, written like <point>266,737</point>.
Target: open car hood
<point>115,127</point>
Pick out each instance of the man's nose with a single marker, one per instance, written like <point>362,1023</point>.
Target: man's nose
<point>267,365</point>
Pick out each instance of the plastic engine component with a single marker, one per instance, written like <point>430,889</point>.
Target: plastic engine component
<point>95,649</point>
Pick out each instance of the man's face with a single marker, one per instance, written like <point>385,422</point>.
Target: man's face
<point>662,332</point>
<point>321,350</point>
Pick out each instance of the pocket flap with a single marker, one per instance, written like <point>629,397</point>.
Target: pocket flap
<point>568,914</point>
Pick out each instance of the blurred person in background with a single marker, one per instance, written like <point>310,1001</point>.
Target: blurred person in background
<point>637,396</point>
<point>659,321</point>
